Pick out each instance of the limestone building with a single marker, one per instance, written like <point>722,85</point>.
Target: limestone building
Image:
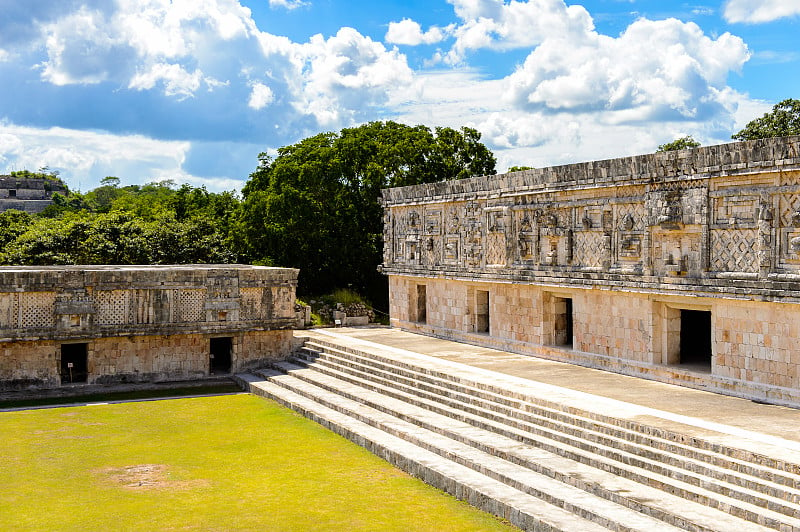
<point>110,324</point>
<point>28,194</point>
<point>679,266</point>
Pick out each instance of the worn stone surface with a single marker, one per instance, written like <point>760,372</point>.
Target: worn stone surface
<point>140,323</point>
<point>624,246</point>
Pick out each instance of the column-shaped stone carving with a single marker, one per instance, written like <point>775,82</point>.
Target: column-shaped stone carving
<point>765,238</point>
<point>608,231</point>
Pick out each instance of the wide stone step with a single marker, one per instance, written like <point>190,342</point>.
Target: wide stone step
<point>660,505</point>
<point>709,478</point>
<point>521,509</point>
<point>777,478</point>
<point>586,505</point>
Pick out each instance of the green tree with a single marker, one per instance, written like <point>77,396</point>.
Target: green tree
<point>12,224</point>
<point>682,143</point>
<point>519,168</point>
<point>316,205</point>
<point>783,120</point>
<point>150,224</point>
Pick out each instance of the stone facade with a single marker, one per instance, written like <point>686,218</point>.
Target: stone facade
<point>140,323</point>
<point>27,194</point>
<point>678,266</point>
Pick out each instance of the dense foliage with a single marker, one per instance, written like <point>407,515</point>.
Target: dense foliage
<point>316,205</point>
<point>682,143</point>
<point>783,120</point>
<point>150,224</point>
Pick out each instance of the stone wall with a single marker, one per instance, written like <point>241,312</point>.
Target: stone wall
<point>140,323</point>
<point>620,255</point>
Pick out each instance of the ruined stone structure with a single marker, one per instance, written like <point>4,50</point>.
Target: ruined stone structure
<point>679,266</point>
<point>113,324</point>
<point>27,194</point>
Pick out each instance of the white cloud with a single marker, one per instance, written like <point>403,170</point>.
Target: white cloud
<point>346,73</point>
<point>757,11</point>
<point>85,157</point>
<point>181,46</point>
<point>496,25</point>
<point>260,97</point>
<point>410,33</point>
<point>287,4</point>
<point>176,80</point>
<point>654,69</point>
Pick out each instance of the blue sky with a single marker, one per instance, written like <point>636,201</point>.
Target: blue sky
<point>193,90</point>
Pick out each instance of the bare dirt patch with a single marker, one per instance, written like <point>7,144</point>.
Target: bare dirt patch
<point>147,477</point>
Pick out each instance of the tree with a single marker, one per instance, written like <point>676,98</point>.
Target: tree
<point>783,120</point>
<point>149,224</point>
<point>316,205</point>
<point>682,143</point>
<point>519,168</point>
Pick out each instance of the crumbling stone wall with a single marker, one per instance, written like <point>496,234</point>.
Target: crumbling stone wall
<point>628,244</point>
<point>140,323</point>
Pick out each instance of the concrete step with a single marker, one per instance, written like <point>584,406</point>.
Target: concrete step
<point>585,476</point>
<point>521,509</point>
<point>577,501</point>
<point>662,457</point>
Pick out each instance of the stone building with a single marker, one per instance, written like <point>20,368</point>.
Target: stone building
<point>681,266</point>
<point>28,194</point>
<point>114,324</point>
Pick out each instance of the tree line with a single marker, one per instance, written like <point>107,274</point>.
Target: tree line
<point>314,206</point>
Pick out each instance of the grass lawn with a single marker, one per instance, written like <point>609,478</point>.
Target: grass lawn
<point>234,462</point>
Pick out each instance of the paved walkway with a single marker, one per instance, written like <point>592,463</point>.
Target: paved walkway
<point>773,430</point>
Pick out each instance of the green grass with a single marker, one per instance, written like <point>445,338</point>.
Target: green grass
<point>234,462</point>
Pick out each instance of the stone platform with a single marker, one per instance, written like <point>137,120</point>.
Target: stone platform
<point>547,445</point>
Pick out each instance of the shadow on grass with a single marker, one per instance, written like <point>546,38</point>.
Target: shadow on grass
<point>129,395</point>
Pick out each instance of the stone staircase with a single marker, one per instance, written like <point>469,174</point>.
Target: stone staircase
<point>540,463</point>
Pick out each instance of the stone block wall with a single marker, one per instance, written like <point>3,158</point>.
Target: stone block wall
<point>611,263</point>
<point>140,323</point>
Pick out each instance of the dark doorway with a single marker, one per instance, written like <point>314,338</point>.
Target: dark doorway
<point>422,303</point>
<point>695,338</point>
<point>482,311</point>
<point>221,355</point>
<point>74,363</point>
<point>563,321</point>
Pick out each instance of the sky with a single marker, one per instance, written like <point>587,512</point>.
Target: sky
<point>194,90</point>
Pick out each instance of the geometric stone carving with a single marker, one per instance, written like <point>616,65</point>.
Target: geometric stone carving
<point>733,250</point>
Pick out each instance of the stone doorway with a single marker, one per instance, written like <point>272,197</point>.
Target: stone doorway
<point>220,359</point>
<point>422,303</point>
<point>695,339</point>
<point>562,310</point>
<point>74,363</point>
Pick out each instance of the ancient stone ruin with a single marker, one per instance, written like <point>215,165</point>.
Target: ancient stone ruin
<point>28,194</point>
<point>677,266</point>
<point>113,324</point>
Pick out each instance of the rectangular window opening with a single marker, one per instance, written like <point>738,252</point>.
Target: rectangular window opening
<point>695,339</point>
<point>12,193</point>
<point>74,363</point>
<point>220,357</point>
<point>482,311</point>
